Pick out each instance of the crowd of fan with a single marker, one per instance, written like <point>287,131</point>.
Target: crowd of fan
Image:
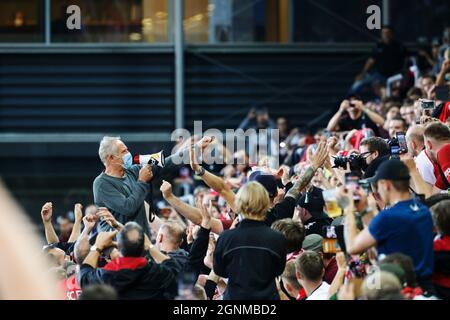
<point>352,212</point>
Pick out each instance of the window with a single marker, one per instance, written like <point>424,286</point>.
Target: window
<point>332,21</point>
<point>113,21</point>
<point>224,21</point>
<point>21,21</point>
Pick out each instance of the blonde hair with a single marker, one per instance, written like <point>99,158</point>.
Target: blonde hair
<point>253,201</point>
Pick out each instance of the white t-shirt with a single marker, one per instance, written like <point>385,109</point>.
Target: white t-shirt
<point>321,293</point>
<point>425,168</point>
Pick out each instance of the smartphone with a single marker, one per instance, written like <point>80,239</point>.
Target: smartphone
<point>427,104</point>
<point>443,93</point>
<point>333,239</point>
<point>365,185</point>
<point>330,244</point>
<point>402,142</point>
<point>352,182</point>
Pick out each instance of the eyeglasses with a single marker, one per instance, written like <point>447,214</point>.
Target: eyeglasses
<point>365,155</point>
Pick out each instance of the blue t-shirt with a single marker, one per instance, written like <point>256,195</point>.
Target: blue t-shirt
<point>406,229</point>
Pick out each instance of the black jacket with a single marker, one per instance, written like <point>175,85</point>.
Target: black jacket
<point>373,166</point>
<point>152,281</point>
<point>250,256</point>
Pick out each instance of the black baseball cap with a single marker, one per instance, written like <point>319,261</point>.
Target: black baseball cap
<point>314,202</point>
<point>392,169</point>
<point>267,180</point>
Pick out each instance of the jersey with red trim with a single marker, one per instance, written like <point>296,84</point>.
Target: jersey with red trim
<point>443,159</point>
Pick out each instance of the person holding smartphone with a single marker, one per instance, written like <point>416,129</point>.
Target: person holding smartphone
<point>405,225</point>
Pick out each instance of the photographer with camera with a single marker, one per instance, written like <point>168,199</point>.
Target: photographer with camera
<point>352,114</point>
<point>375,151</point>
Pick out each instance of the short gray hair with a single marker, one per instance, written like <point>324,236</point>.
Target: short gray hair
<point>107,147</point>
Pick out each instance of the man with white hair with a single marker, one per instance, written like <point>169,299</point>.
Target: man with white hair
<point>122,187</point>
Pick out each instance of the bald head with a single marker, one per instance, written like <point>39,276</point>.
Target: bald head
<point>131,240</point>
<point>170,236</point>
<point>415,140</point>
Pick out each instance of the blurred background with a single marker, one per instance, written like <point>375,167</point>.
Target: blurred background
<point>139,70</point>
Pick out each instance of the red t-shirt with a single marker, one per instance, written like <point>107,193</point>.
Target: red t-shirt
<point>71,288</point>
<point>443,158</point>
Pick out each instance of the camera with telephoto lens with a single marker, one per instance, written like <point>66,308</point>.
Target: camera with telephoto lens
<point>357,162</point>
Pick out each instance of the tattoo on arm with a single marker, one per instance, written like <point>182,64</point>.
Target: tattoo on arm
<point>301,183</point>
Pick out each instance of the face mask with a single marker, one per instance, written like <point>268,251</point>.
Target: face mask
<point>127,160</point>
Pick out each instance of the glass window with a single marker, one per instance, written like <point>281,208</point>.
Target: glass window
<point>21,21</point>
<point>332,21</point>
<point>113,21</point>
<point>222,21</point>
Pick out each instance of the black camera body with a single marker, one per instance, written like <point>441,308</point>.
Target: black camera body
<point>357,162</point>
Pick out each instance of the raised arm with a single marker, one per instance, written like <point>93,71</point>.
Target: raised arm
<point>375,117</point>
<point>76,230</point>
<point>317,160</point>
<point>356,241</point>
<point>214,182</point>
<point>104,240</point>
<point>173,162</point>
<point>440,78</point>
<point>334,121</point>
<point>338,280</point>
<point>46,215</point>
<point>82,243</point>
<point>191,213</point>
<point>200,245</point>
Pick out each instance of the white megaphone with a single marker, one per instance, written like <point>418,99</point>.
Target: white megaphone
<point>155,159</point>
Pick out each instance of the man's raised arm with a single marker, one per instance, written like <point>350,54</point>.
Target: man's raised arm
<point>46,215</point>
<point>173,161</point>
<point>213,181</point>
<point>191,213</point>
<point>317,160</point>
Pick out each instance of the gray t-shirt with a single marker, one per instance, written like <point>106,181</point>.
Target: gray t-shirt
<point>124,197</point>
